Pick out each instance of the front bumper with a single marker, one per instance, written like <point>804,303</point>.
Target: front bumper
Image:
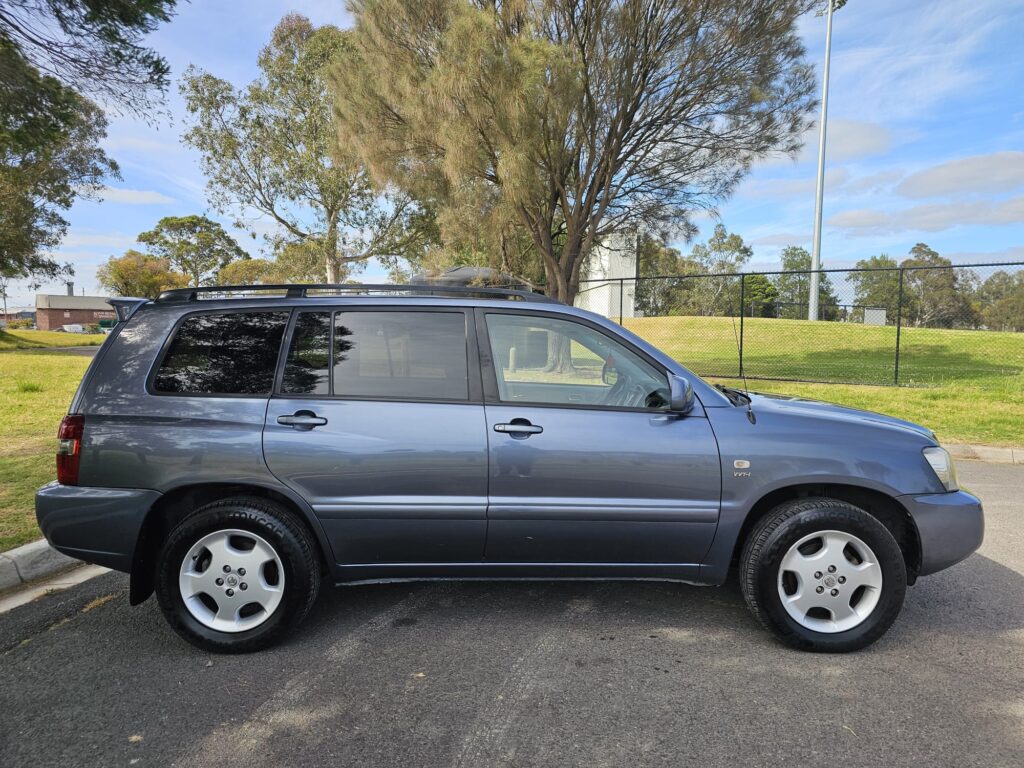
<point>950,526</point>
<point>97,525</point>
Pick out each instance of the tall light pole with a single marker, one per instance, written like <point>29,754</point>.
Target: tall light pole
<point>812,307</point>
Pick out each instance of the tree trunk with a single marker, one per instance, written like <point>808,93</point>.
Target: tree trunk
<point>330,246</point>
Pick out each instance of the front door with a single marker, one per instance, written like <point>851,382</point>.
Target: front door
<point>378,424</point>
<point>586,463</point>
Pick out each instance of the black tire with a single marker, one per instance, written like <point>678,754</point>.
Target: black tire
<point>787,524</point>
<point>277,526</point>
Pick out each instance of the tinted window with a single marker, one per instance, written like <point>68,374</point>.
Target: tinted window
<point>307,370</point>
<point>407,355</point>
<point>233,353</point>
<point>561,362</point>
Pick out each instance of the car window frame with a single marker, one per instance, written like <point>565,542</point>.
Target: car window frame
<point>474,388</point>
<point>165,349</point>
<point>489,371</point>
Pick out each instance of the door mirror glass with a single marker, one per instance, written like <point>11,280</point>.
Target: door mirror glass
<point>681,400</point>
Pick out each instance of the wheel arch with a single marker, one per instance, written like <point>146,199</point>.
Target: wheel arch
<point>885,508</point>
<point>174,505</point>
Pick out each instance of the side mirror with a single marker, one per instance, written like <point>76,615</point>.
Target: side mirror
<point>681,394</point>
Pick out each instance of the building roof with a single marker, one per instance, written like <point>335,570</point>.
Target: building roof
<point>60,301</point>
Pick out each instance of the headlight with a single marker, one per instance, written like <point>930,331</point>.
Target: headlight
<point>944,467</point>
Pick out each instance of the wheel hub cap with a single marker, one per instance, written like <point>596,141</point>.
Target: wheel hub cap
<point>829,581</point>
<point>231,580</point>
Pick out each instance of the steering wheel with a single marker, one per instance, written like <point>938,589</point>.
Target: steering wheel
<point>614,394</point>
<point>626,393</point>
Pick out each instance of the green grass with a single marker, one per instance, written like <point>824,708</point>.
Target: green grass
<point>969,385</point>
<point>834,352</point>
<point>15,339</point>
<point>35,391</point>
<point>966,385</point>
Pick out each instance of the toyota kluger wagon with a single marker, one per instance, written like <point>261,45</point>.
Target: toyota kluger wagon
<point>232,448</point>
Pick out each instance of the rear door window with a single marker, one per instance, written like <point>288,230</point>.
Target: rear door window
<point>400,355</point>
<point>230,353</point>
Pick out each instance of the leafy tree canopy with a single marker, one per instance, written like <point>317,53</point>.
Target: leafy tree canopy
<point>94,47</point>
<point>270,151</point>
<point>794,290</point>
<point>195,246</point>
<point>48,158</point>
<point>139,274</point>
<point>567,121</point>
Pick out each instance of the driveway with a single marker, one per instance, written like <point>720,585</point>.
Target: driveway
<point>532,674</point>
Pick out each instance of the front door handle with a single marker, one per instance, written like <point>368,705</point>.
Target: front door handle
<point>519,428</point>
<point>302,420</point>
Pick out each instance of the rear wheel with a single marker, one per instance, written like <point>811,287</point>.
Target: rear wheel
<point>823,575</point>
<point>237,575</point>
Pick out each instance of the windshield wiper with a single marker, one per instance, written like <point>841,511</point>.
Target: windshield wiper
<point>736,397</point>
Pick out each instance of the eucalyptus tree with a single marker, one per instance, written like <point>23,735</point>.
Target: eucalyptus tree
<point>576,120</point>
<point>270,154</point>
<point>194,246</point>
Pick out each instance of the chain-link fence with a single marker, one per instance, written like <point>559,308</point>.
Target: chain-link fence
<point>904,325</point>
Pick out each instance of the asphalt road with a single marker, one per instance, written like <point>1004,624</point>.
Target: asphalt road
<point>532,674</point>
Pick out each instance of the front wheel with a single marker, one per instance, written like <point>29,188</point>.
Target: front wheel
<point>823,575</point>
<point>237,575</point>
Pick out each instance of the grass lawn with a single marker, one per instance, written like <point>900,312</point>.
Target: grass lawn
<point>847,353</point>
<point>969,385</point>
<point>42,339</point>
<point>966,385</point>
<point>36,388</point>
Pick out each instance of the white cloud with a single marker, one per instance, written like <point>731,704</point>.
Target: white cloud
<point>853,139</point>
<point>931,217</point>
<point>136,196</point>
<point>98,240</point>
<point>788,188</point>
<point>875,182</point>
<point>981,174</point>
<point>893,61</point>
<point>845,140</point>
<point>141,144</point>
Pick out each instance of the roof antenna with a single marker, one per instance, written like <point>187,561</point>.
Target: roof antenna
<point>743,374</point>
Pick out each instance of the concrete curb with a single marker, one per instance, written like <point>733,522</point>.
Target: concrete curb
<point>987,453</point>
<point>31,562</point>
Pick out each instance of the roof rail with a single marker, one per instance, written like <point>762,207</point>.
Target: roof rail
<point>304,291</point>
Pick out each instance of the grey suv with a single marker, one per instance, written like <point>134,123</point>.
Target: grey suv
<point>230,448</point>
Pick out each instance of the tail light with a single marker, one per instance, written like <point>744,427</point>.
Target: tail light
<point>69,448</point>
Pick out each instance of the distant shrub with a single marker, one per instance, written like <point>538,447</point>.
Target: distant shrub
<point>23,324</point>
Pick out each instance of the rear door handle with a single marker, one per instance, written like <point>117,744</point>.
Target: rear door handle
<point>302,420</point>
<point>519,427</point>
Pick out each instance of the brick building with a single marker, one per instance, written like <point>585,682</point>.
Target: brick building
<point>53,311</point>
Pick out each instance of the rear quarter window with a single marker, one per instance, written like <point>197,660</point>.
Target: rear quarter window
<point>230,353</point>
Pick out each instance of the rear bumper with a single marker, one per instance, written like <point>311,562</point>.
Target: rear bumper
<point>97,525</point>
<point>950,525</point>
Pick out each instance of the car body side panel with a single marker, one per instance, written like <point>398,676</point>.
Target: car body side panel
<point>390,481</point>
<point>601,486</point>
<point>786,448</point>
<point>138,440</point>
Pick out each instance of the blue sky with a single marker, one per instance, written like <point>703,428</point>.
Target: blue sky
<point>926,138</point>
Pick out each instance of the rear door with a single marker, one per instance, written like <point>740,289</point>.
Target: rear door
<point>586,464</point>
<point>377,421</point>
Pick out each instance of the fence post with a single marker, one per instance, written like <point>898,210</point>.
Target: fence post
<point>899,327</point>
<point>622,284</point>
<point>743,299</point>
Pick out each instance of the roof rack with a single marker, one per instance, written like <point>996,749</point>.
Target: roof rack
<point>303,291</point>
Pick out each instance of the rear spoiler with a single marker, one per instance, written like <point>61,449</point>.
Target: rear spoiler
<point>125,306</point>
